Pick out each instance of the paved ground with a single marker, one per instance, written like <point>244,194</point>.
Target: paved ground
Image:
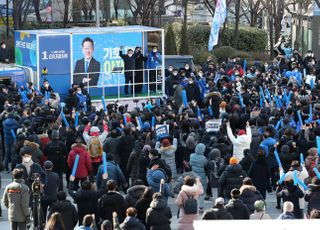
<point>6,179</point>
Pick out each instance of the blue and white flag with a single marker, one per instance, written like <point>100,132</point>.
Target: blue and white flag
<point>219,17</point>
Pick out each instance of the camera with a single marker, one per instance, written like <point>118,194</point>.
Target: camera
<point>36,185</point>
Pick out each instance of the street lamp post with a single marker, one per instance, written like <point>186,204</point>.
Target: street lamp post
<point>97,13</point>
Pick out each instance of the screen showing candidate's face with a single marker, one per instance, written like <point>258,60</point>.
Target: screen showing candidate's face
<point>87,50</point>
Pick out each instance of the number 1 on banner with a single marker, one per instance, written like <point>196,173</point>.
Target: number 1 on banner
<point>44,57</point>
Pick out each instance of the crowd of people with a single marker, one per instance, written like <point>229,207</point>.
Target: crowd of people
<point>242,131</point>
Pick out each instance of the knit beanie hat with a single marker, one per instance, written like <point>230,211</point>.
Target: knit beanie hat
<point>259,205</point>
<point>94,131</point>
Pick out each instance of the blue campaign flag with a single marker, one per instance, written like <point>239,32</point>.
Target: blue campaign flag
<point>75,165</point>
<point>104,162</point>
<point>318,145</point>
<point>245,65</point>
<point>76,120</point>
<point>219,17</point>
<point>184,98</point>
<point>311,84</point>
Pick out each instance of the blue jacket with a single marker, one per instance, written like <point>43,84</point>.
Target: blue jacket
<point>154,60</point>
<point>154,177</point>
<point>114,173</point>
<point>9,124</point>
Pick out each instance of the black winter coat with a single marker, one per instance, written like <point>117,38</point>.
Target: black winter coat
<point>313,197</point>
<point>134,193</point>
<point>292,193</point>
<point>158,215</point>
<point>260,175</point>
<point>142,206</point>
<point>217,214</point>
<point>68,213</point>
<point>56,151</point>
<point>231,178</point>
<point>238,210</point>
<point>249,195</point>
<point>86,200</point>
<point>112,202</point>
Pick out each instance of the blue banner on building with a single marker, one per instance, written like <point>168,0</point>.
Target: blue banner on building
<point>25,49</point>
<point>55,61</point>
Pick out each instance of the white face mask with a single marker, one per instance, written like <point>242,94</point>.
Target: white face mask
<point>186,67</point>
<point>26,159</point>
<point>46,85</point>
<point>170,69</point>
<point>296,70</point>
<point>155,50</point>
<point>175,73</point>
<point>79,92</point>
<point>190,82</point>
<point>129,55</point>
<point>200,74</point>
<point>292,59</point>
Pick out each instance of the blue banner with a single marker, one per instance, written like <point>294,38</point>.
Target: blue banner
<point>25,49</point>
<point>104,57</point>
<point>54,57</point>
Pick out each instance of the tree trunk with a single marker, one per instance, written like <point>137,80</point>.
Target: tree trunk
<point>36,5</point>
<point>271,36</point>
<point>185,15</point>
<point>116,6</point>
<point>66,13</point>
<point>236,26</point>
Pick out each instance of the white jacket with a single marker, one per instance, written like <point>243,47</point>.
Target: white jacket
<point>240,143</point>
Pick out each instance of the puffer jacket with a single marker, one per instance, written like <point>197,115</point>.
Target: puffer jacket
<point>16,199</point>
<point>249,195</point>
<point>134,193</point>
<point>238,209</point>
<point>168,155</point>
<point>158,215</point>
<point>154,177</point>
<point>36,152</point>
<point>240,143</point>
<point>231,178</point>
<point>84,165</point>
<point>9,124</point>
<point>198,163</point>
<point>114,173</point>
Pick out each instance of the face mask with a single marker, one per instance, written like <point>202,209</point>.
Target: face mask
<point>313,63</point>
<point>170,69</point>
<point>296,70</point>
<point>200,74</point>
<point>79,92</point>
<point>26,159</point>
<point>129,55</point>
<point>175,73</point>
<point>46,85</point>
<point>190,82</point>
<point>3,46</point>
<point>150,156</point>
<point>186,67</point>
<point>154,50</point>
<point>292,59</point>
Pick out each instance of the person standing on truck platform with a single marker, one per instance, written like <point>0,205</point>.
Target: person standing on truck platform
<point>129,60</point>
<point>4,53</point>
<point>153,62</point>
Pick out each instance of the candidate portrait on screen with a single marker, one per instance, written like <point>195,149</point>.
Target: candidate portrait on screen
<point>87,69</point>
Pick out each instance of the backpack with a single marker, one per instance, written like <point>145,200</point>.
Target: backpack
<point>95,148</point>
<point>190,205</point>
<point>167,170</point>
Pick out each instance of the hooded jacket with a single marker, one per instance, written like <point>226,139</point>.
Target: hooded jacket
<point>56,152</point>
<point>134,193</point>
<point>34,148</point>
<point>240,143</point>
<point>8,125</point>
<point>158,215</point>
<point>114,173</point>
<point>198,162</point>
<point>217,213</point>
<point>84,165</point>
<point>154,177</point>
<point>249,195</point>
<point>231,178</point>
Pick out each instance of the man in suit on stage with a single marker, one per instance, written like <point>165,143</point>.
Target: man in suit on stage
<point>87,69</point>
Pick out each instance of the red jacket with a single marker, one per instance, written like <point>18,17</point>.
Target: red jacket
<point>84,165</point>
